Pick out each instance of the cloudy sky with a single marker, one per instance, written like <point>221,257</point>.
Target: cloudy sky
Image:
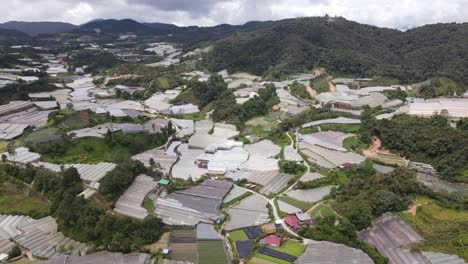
<point>386,13</point>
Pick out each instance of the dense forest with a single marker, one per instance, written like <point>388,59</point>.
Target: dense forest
<point>20,91</point>
<point>346,47</point>
<point>431,141</point>
<point>215,95</point>
<point>367,196</point>
<point>93,60</point>
<point>364,198</point>
<point>83,220</point>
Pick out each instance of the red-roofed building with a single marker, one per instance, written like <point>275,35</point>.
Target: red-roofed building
<point>271,240</point>
<point>292,221</point>
<point>346,166</point>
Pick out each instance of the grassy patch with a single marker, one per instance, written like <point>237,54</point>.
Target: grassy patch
<point>95,150</point>
<point>354,143</point>
<point>257,131</point>
<point>238,235</point>
<point>335,178</point>
<point>296,203</point>
<point>299,90</point>
<point>89,150</point>
<point>162,243</point>
<point>294,248</point>
<point>211,252</point>
<point>280,213</point>
<point>72,120</point>
<point>148,204</point>
<point>267,122</point>
<point>3,146</point>
<point>444,230</point>
<point>43,136</point>
<point>382,81</point>
<point>236,200</point>
<point>345,128</point>
<point>16,198</point>
<point>163,82</point>
<point>322,210</point>
<point>267,258</point>
<point>320,85</point>
<point>280,139</point>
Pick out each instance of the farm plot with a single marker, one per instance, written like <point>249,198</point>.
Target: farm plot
<point>244,248</point>
<point>322,210</point>
<point>296,203</point>
<point>287,208</point>
<point>15,198</point>
<point>184,252</point>
<point>48,135</point>
<point>310,196</point>
<point>183,235</point>
<point>211,252</point>
<point>183,244</point>
<point>238,235</point>
<point>277,254</point>
<point>235,193</point>
<point>161,244</point>
<point>253,232</point>
<point>294,248</point>
<point>272,181</point>
<point>442,228</point>
<point>251,211</point>
<point>311,176</point>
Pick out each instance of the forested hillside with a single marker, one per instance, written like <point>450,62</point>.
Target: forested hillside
<point>346,47</point>
<point>36,28</point>
<point>430,141</point>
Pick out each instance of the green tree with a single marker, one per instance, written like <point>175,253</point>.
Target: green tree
<point>70,177</point>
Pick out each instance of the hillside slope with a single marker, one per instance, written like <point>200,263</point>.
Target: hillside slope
<point>10,37</point>
<point>113,26</point>
<point>36,28</point>
<point>343,46</point>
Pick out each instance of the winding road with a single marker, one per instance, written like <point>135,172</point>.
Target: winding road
<point>271,201</point>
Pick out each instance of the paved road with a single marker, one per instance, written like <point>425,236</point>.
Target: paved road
<point>272,201</point>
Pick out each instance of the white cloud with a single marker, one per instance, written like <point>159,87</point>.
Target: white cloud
<point>81,12</point>
<point>384,13</point>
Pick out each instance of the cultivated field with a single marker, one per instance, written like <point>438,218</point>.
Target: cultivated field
<point>238,235</point>
<point>444,230</point>
<point>17,199</point>
<point>211,252</point>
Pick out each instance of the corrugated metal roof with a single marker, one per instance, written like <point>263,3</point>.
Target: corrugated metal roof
<point>323,252</point>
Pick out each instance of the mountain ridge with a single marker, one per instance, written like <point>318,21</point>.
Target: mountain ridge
<point>343,46</point>
<point>37,28</point>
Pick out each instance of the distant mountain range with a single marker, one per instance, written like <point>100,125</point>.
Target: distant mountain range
<point>36,28</point>
<point>190,34</point>
<point>279,48</point>
<point>113,26</point>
